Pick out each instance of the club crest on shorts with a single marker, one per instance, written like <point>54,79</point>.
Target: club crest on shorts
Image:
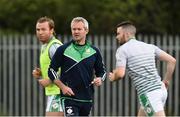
<point>55,105</point>
<point>69,110</point>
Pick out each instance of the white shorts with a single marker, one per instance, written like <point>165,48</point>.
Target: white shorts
<point>154,101</point>
<point>54,103</point>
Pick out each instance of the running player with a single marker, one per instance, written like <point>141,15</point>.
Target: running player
<point>139,60</point>
<point>79,60</point>
<point>45,34</point>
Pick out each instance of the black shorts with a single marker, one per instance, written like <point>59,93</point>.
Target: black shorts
<point>76,108</point>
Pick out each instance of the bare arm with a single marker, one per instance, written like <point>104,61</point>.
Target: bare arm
<point>37,74</point>
<point>171,63</point>
<point>44,82</point>
<point>117,74</point>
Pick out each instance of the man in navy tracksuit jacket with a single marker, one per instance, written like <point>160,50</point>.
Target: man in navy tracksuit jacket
<point>79,61</point>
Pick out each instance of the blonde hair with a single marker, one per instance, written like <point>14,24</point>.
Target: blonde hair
<point>50,22</point>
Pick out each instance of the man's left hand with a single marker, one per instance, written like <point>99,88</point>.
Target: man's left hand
<point>97,81</point>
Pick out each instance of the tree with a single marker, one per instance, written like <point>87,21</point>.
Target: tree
<point>150,16</point>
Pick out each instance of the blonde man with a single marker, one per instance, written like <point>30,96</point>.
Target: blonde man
<point>45,34</point>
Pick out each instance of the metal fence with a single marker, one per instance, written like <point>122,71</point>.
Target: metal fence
<point>20,94</point>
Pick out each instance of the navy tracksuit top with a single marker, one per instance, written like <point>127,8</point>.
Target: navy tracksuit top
<point>78,69</point>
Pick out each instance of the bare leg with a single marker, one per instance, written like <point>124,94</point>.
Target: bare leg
<point>141,113</point>
<point>160,113</point>
<point>59,114</point>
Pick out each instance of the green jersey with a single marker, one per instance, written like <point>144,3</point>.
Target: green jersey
<point>45,60</point>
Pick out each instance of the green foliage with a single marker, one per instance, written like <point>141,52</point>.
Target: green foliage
<point>150,16</point>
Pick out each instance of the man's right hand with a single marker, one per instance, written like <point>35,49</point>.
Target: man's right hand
<point>65,89</point>
<point>36,73</point>
<point>166,83</point>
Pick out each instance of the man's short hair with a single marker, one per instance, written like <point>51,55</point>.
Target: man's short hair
<point>81,19</point>
<point>47,19</point>
<point>125,23</point>
<point>128,26</point>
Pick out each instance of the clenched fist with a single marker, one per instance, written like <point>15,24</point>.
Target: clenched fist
<point>36,73</point>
